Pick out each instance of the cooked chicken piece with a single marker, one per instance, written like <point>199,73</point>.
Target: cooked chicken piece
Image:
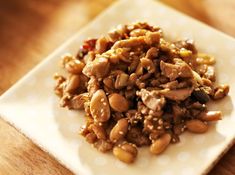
<point>173,71</point>
<point>152,100</point>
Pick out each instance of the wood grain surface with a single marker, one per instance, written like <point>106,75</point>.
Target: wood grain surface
<point>31,29</point>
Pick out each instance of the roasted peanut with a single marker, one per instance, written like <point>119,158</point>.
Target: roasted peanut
<point>125,152</point>
<point>74,66</point>
<point>66,58</point>
<point>148,65</point>
<point>121,81</point>
<point>99,106</point>
<point>101,45</point>
<point>211,116</point>
<point>119,130</point>
<point>152,53</point>
<point>91,138</point>
<point>118,102</point>
<point>108,81</point>
<point>221,91</point>
<point>196,126</point>
<point>72,83</point>
<point>159,145</point>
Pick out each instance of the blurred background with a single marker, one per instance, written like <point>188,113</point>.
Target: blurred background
<point>31,29</point>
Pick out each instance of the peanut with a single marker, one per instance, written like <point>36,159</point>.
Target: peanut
<point>121,81</point>
<point>148,64</point>
<point>221,91</point>
<point>119,130</point>
<point>159,145</point>
<point>73,83</point>
<point>196,126</point>
<point>118,102</point>
<point>74,66</point>
<point>91,138</point>
<point>99,106</point>
<point>211,116</point>
<point>125,152</point>
<point>101,45</point>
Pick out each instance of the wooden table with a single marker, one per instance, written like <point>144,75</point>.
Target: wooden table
<point>32,29</point>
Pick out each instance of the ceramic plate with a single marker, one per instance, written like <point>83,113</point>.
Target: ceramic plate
<point>31,106</point>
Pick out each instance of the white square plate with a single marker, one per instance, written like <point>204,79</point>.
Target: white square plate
<point>31,106</point>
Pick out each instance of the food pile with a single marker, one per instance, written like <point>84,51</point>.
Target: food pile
<point>137,89</point>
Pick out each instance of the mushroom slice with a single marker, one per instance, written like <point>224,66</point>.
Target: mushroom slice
<point>177,94</point>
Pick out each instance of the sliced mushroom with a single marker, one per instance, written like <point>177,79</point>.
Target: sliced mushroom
<point>177,94</point>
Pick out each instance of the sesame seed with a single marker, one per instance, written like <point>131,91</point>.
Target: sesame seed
<point>160,122</point>
<point>159,127</point>
<point>150,127</point>
<point>149,117</point>
<point>121,132</point>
